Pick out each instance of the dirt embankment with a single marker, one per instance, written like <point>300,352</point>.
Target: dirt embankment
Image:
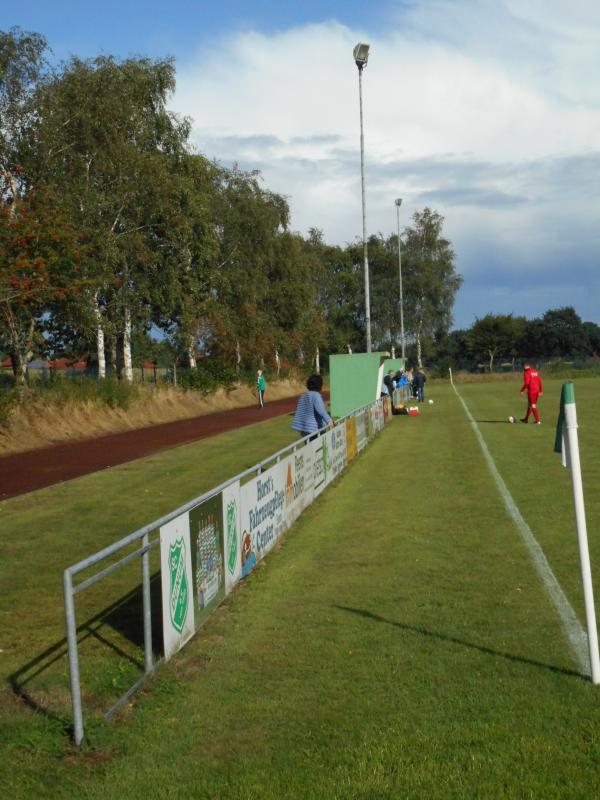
<point>38,424</point>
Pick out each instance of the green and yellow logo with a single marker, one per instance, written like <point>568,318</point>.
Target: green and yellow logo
<point>232,536</point>
<point>179,595</point>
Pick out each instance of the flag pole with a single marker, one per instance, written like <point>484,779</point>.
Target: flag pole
<point>569,415</point>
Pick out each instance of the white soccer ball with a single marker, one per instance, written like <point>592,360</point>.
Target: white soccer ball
<point>511,419</point>
<point>430,401</point>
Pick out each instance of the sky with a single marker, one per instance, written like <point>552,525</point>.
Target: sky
<point>487,111</point>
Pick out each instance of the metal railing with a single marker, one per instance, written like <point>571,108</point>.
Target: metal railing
<point>143,535</point>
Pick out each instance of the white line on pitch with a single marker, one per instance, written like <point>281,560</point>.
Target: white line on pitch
<point>571,626</point>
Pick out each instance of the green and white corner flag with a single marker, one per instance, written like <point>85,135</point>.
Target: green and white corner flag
<point>567,398</point>
<point>567,444</point>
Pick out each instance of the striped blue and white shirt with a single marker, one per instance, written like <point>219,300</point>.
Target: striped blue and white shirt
<point>311,414</point>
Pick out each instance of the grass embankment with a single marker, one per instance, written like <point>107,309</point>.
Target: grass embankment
<point>399,643</point>
<point>82,410</point>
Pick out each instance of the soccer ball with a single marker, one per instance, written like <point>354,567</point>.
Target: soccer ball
<point>430,401</point>
<point>512,419</point>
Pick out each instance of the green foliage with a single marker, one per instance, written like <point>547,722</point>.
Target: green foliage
<point>68,389</point>
<point>9,399</point>
<point>210,374</point>
<point>496,335</point>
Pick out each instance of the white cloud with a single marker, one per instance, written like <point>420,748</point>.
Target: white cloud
<point>488,111</point>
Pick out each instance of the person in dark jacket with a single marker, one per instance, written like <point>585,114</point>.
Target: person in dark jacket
<point>419,384</point>
<point>389,383</point>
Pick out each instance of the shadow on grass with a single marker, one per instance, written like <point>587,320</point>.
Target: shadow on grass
<point>493,422</point>
<point>125,616</point>
<point>453,640</point>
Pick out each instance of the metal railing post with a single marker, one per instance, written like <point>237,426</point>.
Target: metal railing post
<point>73,658</point>
<point>148,656</point>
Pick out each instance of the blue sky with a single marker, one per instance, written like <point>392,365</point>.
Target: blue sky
<point>486,110</point>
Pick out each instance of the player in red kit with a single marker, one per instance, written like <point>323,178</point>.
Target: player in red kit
<point>532,382</point>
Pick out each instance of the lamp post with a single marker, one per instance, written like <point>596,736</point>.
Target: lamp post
<point>398,204</point>
<point>361,55</point>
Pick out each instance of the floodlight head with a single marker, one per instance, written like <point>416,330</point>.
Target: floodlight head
<point>399,201</point>
<point>361,55</point>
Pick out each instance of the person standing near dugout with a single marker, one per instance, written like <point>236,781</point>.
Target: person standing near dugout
<point>532,383</point>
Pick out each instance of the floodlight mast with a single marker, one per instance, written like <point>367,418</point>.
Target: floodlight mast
<point>398,204</point>
<point>361,56</point>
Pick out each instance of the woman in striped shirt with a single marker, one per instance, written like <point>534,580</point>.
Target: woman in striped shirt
<point>311,414</point>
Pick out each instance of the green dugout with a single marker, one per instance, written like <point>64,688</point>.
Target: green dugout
<point>355,380</point>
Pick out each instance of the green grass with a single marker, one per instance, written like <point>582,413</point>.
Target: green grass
<point>398,644</point>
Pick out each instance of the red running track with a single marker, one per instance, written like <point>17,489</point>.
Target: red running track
<point>34,469</point>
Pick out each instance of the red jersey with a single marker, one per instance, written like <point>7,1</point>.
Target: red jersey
<point>532,381</point>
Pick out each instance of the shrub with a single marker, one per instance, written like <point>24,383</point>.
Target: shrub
<point>78,389</point>
<point>9,398</point>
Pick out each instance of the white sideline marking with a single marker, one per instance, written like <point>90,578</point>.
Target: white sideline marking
<point>572,628</point>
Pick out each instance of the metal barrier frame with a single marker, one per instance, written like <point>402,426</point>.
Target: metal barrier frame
<point>70,589</point>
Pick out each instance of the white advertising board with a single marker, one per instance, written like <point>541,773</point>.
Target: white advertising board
<point>298,476</point>
<point>262,503</point>
<point>177,585</point>
<point>362,434</point>
<point>336,440</point>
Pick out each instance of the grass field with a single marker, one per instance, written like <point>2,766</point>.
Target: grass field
<point>398,644</point>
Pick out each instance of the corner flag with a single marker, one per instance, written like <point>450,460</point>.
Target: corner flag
<point>566,443</point>
<point>567,398</point>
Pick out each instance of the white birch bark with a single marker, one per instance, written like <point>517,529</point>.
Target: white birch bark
<point>318,361</point>
<point>191,352</point>
<point>99,339</point>
<point>127,362</point>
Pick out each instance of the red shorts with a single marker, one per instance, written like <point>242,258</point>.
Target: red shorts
<point>533,398</point>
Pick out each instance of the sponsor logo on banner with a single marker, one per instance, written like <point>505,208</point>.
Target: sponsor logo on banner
<point>208,559</point>
<point>179,595</point>
<point>233,535</point>
<point>351,443</point>
<point>176,583</point>
<point>320,464</point>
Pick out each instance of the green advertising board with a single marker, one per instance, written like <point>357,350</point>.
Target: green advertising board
<point>354,380</point>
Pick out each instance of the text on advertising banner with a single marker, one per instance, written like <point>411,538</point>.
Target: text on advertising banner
<point>176,584</point>
<point>262,515</point>
<point>298,475</point>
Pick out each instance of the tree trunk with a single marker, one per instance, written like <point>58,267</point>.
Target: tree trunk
<point>21,349</point>
<point>19,368</point>
<point>99,340</point>
<point>238,356</point>
<point>491,355</point>
<point>127,362</point>
<point>393,352</point>
<point>419,348</point>
<point>191,352</point>
<point>318,361</point>
<point>277,363</point>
